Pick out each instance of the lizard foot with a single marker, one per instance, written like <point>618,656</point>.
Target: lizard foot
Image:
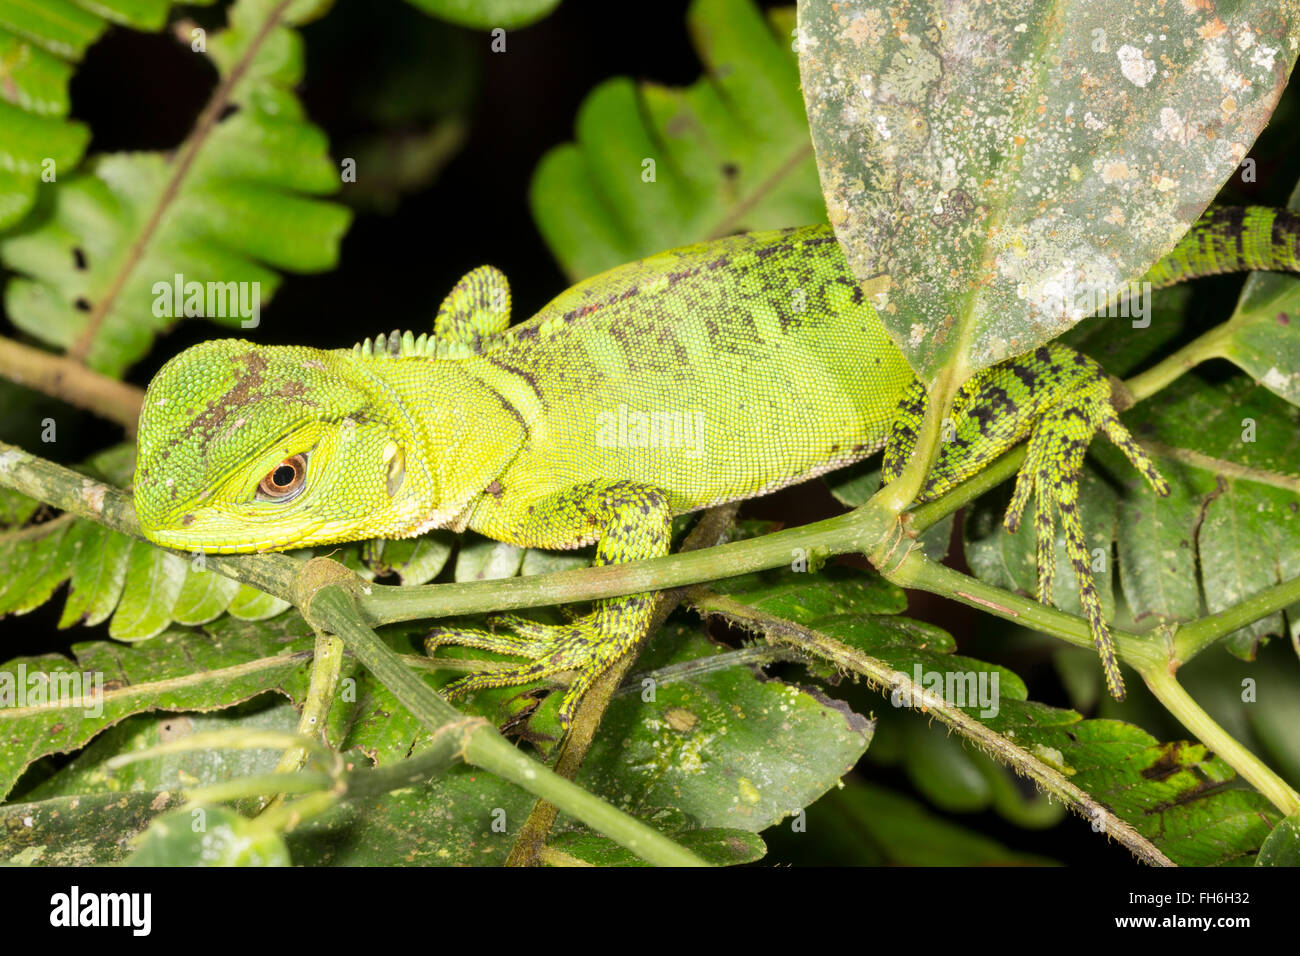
<point>1058,399</point>
<point>1052,472</point>
<point>580,646</point>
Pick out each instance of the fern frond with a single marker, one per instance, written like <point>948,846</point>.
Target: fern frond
<point>39,45</point>
<point>100,255</point>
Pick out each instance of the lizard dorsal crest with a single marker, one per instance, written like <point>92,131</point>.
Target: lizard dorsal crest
<point>476,310</point>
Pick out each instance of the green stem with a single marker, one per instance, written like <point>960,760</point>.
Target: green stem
<point>917,571</point>
<point>1191,715</point>
<point>1207,346</point>
<point>1192,638</point>
<point>326,665</point>
<point>896,496</point>
<point>240,788</point>
<point>328,605</point>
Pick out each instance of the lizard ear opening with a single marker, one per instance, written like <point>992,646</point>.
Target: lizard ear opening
<point>395,474</point>
<point>285,481</point>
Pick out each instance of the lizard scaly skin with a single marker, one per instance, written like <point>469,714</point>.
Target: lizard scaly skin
<point>715,372</point>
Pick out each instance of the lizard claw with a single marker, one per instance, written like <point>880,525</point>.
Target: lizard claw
<point>553,649</point>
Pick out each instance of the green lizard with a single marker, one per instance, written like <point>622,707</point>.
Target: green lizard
<point>711,373</point>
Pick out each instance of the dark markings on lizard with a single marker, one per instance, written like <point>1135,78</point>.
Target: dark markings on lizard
<point>522,373</point>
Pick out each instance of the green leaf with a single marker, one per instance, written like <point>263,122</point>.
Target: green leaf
<point>729,154</point>
<point>208,836</point>
<point>1263,335</point>
<point>39,43</point>
<point>98,260</point>
<point>725,747</point>
<point>1173,794</point>
<point>463,817</point>
<point>51,706</point>
<point>488,14</point>
<point>999,161</point>
<point>482,559</point>
<point>414,560</point>
<point>1282,848</point>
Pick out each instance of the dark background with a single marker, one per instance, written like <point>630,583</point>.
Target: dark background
<point>396,266</point>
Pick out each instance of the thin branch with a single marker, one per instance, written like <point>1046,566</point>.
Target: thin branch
<point>326,602</point>
<point>72,382</point>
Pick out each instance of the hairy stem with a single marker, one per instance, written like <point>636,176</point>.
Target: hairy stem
<point>886,678</point>
<point>1194,637</point>
<point>1207,346</point>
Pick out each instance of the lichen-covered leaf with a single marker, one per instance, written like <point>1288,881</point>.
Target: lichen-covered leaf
<point>1011,165</point>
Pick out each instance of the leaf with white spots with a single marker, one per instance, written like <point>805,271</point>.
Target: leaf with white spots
<point>1002,168</point>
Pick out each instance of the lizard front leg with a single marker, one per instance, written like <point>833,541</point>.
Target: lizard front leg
<point>632,521</point>
<point>1059,399</point>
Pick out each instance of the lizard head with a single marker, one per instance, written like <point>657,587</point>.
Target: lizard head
<point>258,448</point>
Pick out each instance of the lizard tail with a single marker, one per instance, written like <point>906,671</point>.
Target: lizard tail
<point>1232,239</point>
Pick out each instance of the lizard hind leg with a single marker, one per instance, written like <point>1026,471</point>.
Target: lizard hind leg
<point>1052,473</point>
<point>635,521</point>
<point>1059,399</point>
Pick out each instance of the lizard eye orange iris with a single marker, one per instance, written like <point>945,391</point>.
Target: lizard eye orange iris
<point>285,481</point>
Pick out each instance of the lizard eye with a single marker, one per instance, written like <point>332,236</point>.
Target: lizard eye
<point>285,480</point>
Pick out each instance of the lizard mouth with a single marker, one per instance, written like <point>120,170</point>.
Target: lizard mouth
<point>216,531</point>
